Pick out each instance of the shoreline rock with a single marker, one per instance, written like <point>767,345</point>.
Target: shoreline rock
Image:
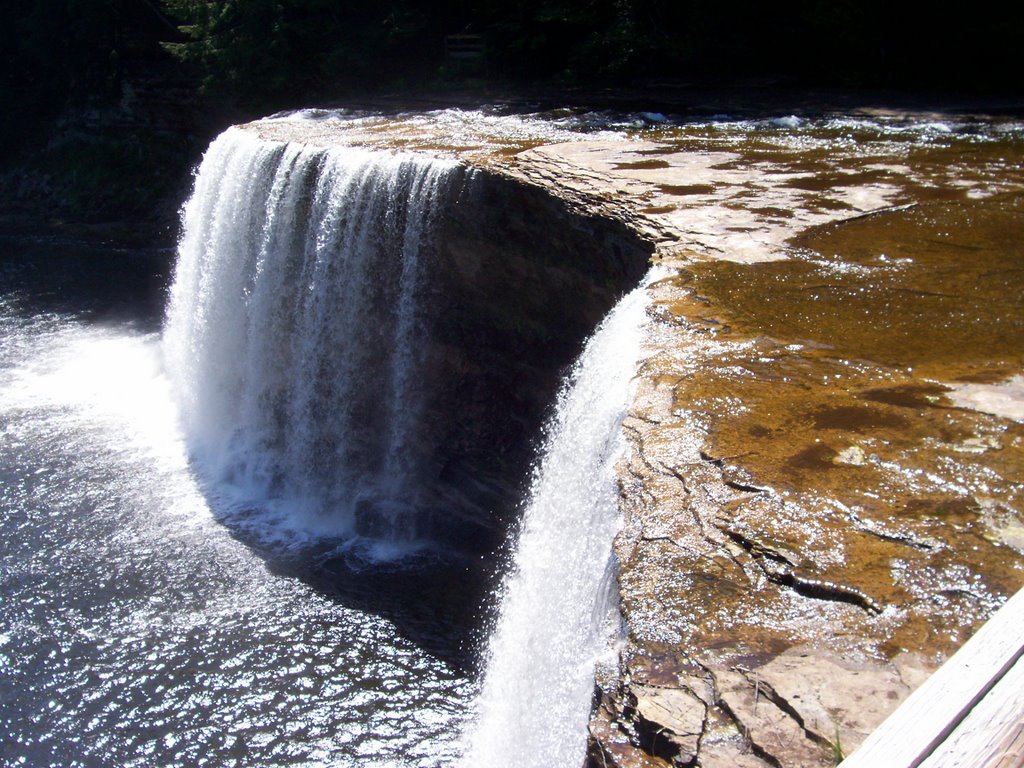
<point>776,613</point>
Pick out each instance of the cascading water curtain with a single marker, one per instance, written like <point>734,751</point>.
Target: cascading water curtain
<point>292,329</point>
<point>535,701</point>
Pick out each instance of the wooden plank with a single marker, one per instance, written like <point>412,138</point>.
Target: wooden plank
<point>922,722</point>
<point>992,734</point>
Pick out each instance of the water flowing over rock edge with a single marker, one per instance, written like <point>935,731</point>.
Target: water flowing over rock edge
<point>554,621</point>
<point>496,320</point>
<point>661,683</point>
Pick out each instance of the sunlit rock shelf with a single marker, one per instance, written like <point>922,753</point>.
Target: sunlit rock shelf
<point>822,495</point>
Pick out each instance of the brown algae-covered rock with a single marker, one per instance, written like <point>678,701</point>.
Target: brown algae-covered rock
<point>823,493</point>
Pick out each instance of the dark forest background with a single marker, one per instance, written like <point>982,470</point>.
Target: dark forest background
<point>104,102</point>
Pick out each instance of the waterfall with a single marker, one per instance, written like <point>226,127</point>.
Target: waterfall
<point>296,338</point>
<point>293,327</point>
<point>535,702</point>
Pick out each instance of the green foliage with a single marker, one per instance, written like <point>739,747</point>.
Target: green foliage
<point>836,748</point>
<point>272,51</point>
<point>267,54</point>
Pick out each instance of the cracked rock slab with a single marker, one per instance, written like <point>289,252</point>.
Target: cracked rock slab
<point>814,515</point>
<point>671,719</point>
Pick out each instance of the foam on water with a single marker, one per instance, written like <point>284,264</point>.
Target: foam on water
<point>102,376</point>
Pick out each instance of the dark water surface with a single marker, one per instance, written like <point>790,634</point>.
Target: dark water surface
<point>135,629</point>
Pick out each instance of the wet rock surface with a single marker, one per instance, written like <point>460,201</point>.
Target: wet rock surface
<point>823,496</point>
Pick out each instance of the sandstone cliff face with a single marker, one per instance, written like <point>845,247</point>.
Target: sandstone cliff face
<point>519,283</point>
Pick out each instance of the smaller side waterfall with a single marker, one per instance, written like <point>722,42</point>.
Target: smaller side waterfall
<point>293,330</point>
<point>538,685</point>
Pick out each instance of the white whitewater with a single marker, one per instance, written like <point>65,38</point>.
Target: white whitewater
<point>292,341</point>
<point>554,621</point>
<point>292,327</point>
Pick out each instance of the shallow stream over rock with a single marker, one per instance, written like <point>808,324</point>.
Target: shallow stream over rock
<point>824,495</point>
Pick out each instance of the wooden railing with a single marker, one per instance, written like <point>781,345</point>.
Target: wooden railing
<point>970,713</point>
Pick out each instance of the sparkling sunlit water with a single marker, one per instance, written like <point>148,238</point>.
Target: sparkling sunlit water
<point>134,628</point>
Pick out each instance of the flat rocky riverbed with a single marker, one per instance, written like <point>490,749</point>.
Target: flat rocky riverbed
<point>822,496</point>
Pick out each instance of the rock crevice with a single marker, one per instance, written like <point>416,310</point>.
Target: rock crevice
<point>801,534</point>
